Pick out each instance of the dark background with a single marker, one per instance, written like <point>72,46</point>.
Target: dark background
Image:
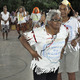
<point>42,4</point>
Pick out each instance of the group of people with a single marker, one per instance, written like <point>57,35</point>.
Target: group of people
<point>56,37</point>
<point>20,18</point>
<point>56,44</point>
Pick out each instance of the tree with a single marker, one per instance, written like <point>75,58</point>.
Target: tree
<point>30,4</point>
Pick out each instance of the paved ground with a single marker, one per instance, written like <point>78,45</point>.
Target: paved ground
<point>15,60</point>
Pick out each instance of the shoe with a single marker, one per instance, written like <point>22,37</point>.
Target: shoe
<point>19,36</point>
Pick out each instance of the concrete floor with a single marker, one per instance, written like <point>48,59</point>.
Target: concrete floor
<point>15,60</point>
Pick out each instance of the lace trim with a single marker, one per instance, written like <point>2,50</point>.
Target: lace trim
<point>39,70</point>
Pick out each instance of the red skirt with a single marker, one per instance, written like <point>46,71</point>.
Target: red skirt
<point>22,27</point>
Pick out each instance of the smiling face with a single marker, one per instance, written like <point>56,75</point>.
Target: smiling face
<point>64,10</point>
<point>55,22</point>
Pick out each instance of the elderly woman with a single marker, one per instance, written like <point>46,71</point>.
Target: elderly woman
<point>49,42</point>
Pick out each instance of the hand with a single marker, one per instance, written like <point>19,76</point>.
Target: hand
<point>61,56</point>
<point>62,53</point>
<point>36,55</point>
<point>16,10</point>
<point>74,43</point>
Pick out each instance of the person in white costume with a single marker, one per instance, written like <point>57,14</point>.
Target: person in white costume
<point>21,15</point>
<point>5,17</point>
<point>49,42</point>
<point>35,16</point>
<point>70,60</point>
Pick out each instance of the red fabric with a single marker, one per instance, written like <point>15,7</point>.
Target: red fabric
<point>37,10</point>
<point>65,26</point>
<point>34,36</point>
<point>23,27</point>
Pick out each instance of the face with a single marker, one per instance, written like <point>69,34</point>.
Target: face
<point>20,10</point>
<point>35,10</point>
<point>64,10</point>
<point>55,22</point>
<point>5,10</point>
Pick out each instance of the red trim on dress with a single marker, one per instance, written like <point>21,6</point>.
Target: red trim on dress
<point>65,26</point>
<point>34,36</point>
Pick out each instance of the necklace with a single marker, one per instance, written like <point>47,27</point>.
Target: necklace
<point>48,45</point>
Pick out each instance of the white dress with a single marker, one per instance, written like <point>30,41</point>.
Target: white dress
<point>5,17</point>
<point>21,18</point>
<point>70,61</point>
<point>48,47</point>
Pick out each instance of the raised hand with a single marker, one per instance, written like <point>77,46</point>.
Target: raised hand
<point>74,43</point>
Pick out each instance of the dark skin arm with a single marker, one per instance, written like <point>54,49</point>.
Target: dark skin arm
<point>29,48</point>
<point>74,41</point>
<point>64,47</point>
<point>16,12</point>
<point>24,14</point>
<point>2,18</point>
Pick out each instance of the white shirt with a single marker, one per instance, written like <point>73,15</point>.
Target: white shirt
<point>35,17</point>
<point>5,17</point>
<point>27,17</point>
<point>13,18</point>
<point>78,18</point>
<point>21,18</point>
<point>73,25</point>
<point>51,54</point>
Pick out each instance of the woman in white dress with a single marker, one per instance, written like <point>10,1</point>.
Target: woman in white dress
<point>70,60</point>
<point>5,17</point>
<point>49,42</point>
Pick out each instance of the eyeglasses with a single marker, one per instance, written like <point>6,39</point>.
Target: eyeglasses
<point>56,20</point>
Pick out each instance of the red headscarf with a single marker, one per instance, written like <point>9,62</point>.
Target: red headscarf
<point>37,10</point>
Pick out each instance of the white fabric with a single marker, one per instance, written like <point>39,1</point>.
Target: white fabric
<point>78,17</point>
<point>5,17</point>
<point>69,62</point>
<point>73,25</point>
<point>35,17</point>
<point>13,18</point>
<point>51,55</point>
<point>21,18</point>
<point>27,17</point>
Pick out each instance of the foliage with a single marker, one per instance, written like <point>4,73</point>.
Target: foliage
<point>30,4</point>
